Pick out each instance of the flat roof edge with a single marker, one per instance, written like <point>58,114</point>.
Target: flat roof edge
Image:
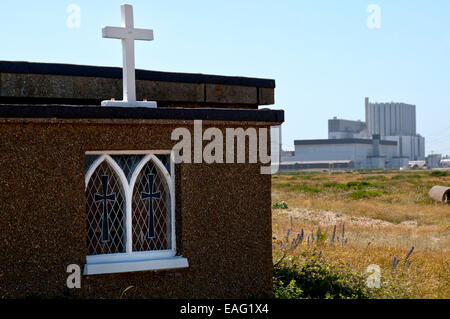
<point>98,112</point>
<point>23,67</point>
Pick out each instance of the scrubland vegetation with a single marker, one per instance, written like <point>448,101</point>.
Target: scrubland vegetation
<point>333,233</point>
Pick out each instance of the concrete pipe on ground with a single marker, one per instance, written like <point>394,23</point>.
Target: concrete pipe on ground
<point>440,194</point>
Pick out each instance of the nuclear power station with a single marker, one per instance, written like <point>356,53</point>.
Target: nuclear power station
<point>386,139</point>
<point>396,122</point>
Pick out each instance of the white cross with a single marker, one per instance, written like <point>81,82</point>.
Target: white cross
<point>127,33</point>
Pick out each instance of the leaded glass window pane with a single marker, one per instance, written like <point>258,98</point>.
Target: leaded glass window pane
<point>125,186</point>
<point>105,202</point>
<point>165,160</point>
<point>89,160</point>
<point>151,224</point>
<point>128,163</point>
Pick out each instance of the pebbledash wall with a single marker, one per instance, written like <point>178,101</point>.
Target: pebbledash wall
<point>50,118</point>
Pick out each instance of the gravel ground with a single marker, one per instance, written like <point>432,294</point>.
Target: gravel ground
<point>328,218</point>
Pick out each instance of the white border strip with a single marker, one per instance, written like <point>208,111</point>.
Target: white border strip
<point>141,265</point>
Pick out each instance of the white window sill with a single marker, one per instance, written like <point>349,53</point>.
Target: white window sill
<point>135,265</point>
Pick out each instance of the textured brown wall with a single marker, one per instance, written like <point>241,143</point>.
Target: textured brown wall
<point>223,215</point>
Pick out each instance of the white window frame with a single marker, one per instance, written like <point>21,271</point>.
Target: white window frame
<point>132,260</point>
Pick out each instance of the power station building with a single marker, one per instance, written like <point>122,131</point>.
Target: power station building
<point>396,122</point>
<point>341,129</point>
<point>386,139</point>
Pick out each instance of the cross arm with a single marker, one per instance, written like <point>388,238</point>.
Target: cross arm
<point>143,34</point>
<point>113,32</point>
<point>124,33</point>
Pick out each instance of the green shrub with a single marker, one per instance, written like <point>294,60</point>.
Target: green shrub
<point>361,184</point>
<point>377,177</point>
<point>363,194</point>
<point>330,184</point>
<point>305,189</point>
<point>439,173</point>
<point>334,185</point>
<point>407,175</point>
<point>281,205</point>
<point>289,291</point>
<point>317,280</point>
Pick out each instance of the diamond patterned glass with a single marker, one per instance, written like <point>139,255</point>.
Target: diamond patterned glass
<point>141,212</point>
<point>165,160</point>
<point>89,160</point>
<point>115,211</point>
<point>128,163</point>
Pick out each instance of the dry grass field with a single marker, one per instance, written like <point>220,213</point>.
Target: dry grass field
<point>350,220</point>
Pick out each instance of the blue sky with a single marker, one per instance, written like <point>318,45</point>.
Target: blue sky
<point>324,58</point>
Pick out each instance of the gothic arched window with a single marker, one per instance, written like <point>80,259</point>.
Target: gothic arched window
<point>130,201</point>
<point>106,210</point>
<point>151,224</point>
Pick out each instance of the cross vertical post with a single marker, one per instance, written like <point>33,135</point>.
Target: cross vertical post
<point>105,198</point>
<point>128,34</point>
<point>129,69</point>
<point>151,196</point>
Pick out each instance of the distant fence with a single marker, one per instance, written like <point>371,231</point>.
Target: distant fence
<point>295,166</point>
